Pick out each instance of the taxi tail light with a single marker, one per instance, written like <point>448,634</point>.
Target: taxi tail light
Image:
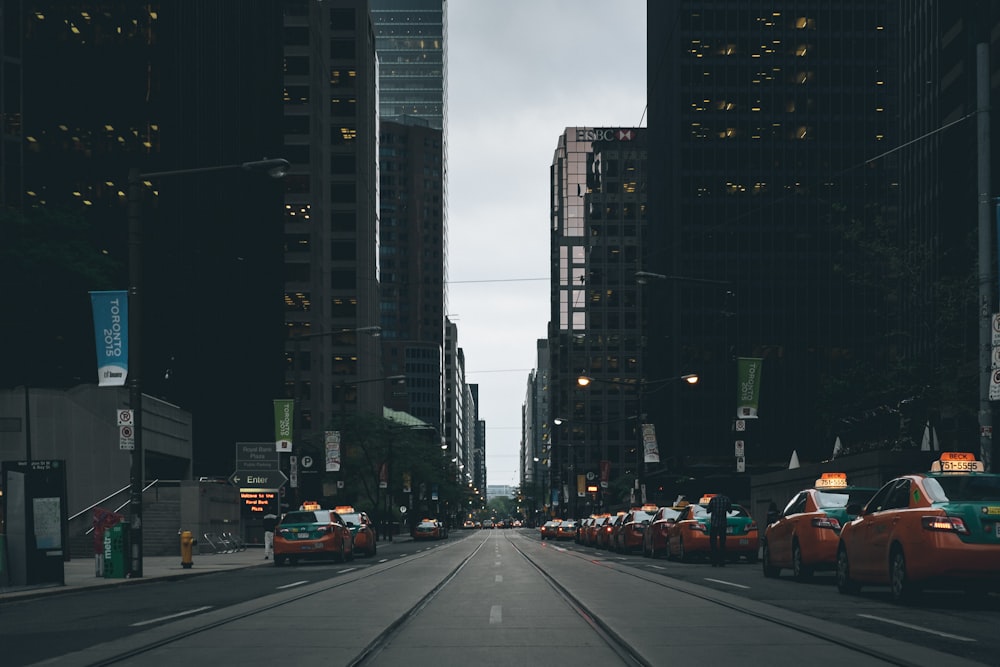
<point>947,523</point>
<point>826,522</point>
<point>700,527</point>
<point>751,526</point>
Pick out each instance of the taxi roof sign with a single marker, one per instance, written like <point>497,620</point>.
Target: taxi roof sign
<point>344,509</point>
<point>832,480</point>
<point>705,498</point>
<point>310,505</point>
<point>957,462</point>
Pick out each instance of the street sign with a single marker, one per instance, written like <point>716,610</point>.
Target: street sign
<point>254,479</point>
<point>126,438</point>
<point>125,417</point>
<point>740,449</point>
<point>741,464</point>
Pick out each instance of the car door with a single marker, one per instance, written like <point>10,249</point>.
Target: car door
<point>872,548</point>
<point>779,534</point>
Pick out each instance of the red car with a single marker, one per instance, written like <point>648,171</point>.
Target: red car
<point>606,529</point>
<point>654,539</point>
<point>629,533</point>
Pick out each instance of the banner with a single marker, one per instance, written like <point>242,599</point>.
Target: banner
<point>748,387</point>
<point>650,450</point>
<point>283,410</point>
<point>111,334</point>
<point>581,486</point>
<point>407,484</point>
<point>383,476</point>
<point>332,442</point>
<point>605,473</point>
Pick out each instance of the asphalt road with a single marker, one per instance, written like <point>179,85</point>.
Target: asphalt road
<point>499,605</point>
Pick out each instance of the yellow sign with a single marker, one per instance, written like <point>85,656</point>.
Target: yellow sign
<point>832,480</point>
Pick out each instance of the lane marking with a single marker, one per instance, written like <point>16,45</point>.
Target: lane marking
<point>384,560</point>
<point>350,569</point>
<point>496,564</point>
<point>727,583</point>
<point>657,567</point>
<point>496,614</point>
<point>171,616</point>
<point>918,628</point>
<point>499,579</point>
<point>293,584</point>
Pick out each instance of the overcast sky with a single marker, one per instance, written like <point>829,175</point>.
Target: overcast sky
<point>519,73</point>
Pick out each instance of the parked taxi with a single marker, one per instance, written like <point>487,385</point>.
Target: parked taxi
<point>804,537</point>
<point>312,533</point>
<point>629,534</point>
<point>606,529</point>
<point>594,528</point>
<point>549,529</point>
<point>361,528</point>
<point>926,529</point>
<point>581,529</point>
<point>566,530</point>
<point>688,537</point>
<point>654,539</point>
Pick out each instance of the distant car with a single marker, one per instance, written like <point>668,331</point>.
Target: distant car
<point>594,528</point>
<point>804,536</point>
<point>926,529</point>
<point>688,537</point>
<point>518,523</point>
<point>654,539</point>
<point>427,529</point>
<point>488,523</point>
<point>312,533</point>
<point>628,536</point>
<point>468,523</point>
<point>605,530</point>
<point>550,529</point>
<point>361,528</point>
<point>566,530</point>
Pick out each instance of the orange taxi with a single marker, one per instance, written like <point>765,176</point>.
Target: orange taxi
<point>566,530</point>
<point>606,529</point>
<point>590,539</point>
<point>926,529</point>
<point>688,537</point>
<point>428,529</point>
<point>312,533</point>
<point>804,537</point>
<point>654,539</point>
<point>361,529</point>
<point>550,529</point>
<point>631,530</point>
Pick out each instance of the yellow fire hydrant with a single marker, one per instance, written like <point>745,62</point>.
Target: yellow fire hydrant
<point>187,549</point>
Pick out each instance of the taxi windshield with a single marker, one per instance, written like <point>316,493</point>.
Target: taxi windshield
<point>641,515</point>
<point>319,516</point>
<point>838,499</point>
<point>959,488</point>
<point>351,519</point>
<point>701,512</point>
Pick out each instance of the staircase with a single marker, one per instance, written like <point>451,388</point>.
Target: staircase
<point>161,519</point>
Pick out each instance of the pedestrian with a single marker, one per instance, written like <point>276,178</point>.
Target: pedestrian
<point>270,523</point>
<point>718,509</point>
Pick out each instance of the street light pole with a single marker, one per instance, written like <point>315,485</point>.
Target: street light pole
<point>275,168</point>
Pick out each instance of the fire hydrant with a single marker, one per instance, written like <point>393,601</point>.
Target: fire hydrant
<point>187,549</point>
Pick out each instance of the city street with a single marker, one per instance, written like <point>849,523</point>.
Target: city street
<point>500,597</point>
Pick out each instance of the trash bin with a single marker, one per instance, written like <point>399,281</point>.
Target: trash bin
<point>116,551</point>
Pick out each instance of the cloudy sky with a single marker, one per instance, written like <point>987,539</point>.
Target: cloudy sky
<point>519,73</point>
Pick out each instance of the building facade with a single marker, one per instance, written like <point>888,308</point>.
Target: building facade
<point>598,219</point>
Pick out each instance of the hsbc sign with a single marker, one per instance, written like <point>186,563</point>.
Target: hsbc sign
<point>605,134</point>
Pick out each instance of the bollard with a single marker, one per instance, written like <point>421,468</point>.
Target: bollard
<point>187,549</point>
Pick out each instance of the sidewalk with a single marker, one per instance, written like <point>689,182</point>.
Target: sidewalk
<point>80,573</point>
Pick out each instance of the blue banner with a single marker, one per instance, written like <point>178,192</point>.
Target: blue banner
<point>111,335</point>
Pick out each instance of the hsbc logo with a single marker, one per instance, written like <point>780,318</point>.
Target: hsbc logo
<point>605,134</point>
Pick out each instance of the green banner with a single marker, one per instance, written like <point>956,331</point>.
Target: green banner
<point>283,411</point>
<point>748,387</point>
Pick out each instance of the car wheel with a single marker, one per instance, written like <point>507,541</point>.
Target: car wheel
<point>770,571</point>
<point>799,570</point>
<point>844,583</point>
<point>903,590</point>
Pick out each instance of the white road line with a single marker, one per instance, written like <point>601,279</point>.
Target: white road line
<point>384,560</point>
<point>496,614</point>
<point>293,584</point>
<point>499,579</point>
<point>657,567</point>
<point>350,569</point>
<point>167,618</point>
<point>918,628</point>
<point>496,564</point>
<point>727,583</point>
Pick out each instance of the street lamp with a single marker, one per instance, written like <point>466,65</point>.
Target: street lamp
<point>276,168</point>
<point>642,387</point>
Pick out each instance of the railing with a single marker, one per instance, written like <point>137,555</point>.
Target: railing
<point>109,497</point>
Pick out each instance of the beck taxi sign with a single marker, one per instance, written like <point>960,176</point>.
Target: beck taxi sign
<point>957,462</point>
<point>832,480</point>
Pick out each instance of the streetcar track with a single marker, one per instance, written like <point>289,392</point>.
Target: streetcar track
<point>662,580</point>
<point>403,559</point>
